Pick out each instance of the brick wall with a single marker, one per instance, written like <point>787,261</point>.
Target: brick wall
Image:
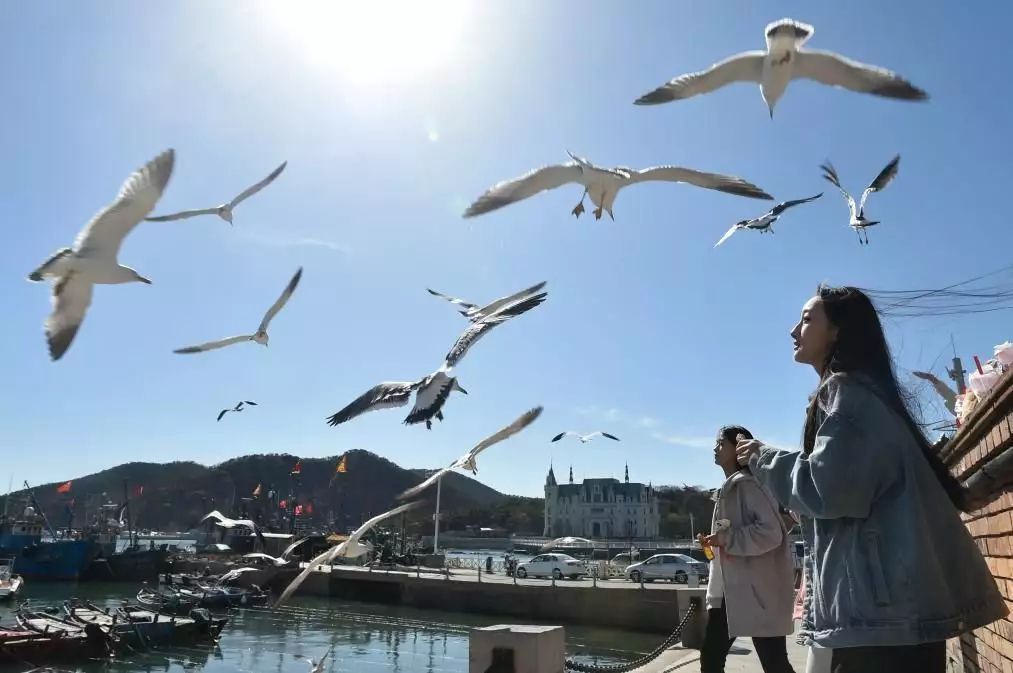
<point>986,435</point>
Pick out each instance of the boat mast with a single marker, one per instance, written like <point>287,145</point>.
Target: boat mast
<point>39,509</point>
<point>126,501</point>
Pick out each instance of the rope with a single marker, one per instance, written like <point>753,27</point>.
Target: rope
<point>642,661</point>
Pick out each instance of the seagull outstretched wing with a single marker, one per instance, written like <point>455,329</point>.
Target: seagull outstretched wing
<point>480,328</point>
<point>182,215</point>
<point>250,191</point>
<point>728,234</point>
<point>385,395</point>
<point>833,69</point>
<point>744,67</point>
<point>830,175</point>
<point>729,184</point>
<point>882,180</point>
<point>281,301</point>
<point>785,205</point>
<point>211,345</point>
<point>525,186</point>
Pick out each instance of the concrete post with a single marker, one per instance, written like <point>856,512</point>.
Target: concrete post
<point>530,649</point>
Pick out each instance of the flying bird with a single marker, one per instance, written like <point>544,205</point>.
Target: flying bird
<point>260,336</point>
<point>432,391</point>
<point>474,312</point>
<point>238,407</point>
<point>764,223</point>
<point>584,439</point>
<point>858,221</point>
<point>350,548</point>
<point>467,461</point>
<point>93,258</point>
<point>783,61</point>
<point>223,211</point>
<point>277,561</point>
<point>226,522</point>
<point>602,184</point>
<point>318,666</point>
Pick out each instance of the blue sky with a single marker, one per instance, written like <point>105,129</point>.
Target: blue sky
<point>391,124</point>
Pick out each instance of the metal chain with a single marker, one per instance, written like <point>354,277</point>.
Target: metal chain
<point>636,663</point>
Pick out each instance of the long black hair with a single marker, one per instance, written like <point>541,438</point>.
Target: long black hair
<point>860,347</point>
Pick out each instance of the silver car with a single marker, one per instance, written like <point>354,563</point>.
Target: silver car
<point>671,567</point>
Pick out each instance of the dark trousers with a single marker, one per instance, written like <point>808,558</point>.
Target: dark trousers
<point>927,658</point>
<point>773,652</point>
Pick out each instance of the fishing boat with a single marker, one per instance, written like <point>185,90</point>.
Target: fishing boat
<point>93,639</point>
<point>19,645</point>
<point>39,559</point>
<point>168,601</point>
<point>139,626</point>
<point>10,584</point>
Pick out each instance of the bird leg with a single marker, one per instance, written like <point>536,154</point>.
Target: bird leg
<point>599,210</point>
<point>579,208</point>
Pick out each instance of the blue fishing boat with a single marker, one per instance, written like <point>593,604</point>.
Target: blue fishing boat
<point>36,559</point>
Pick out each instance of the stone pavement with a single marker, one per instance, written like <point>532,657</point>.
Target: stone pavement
<point>741,659</point>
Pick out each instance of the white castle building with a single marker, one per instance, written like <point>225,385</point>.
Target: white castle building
<point>600,508</point>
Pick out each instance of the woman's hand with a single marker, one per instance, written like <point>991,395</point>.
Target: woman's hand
<point>708,540</point>
<point>746,448</point>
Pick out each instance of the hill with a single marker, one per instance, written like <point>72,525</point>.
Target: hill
<point>176,495</point>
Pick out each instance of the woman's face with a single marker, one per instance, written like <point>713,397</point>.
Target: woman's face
<point>814,335</point>
<point>724,451</point>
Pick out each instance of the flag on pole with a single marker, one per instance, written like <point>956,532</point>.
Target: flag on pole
<point>256,491</point>
<point>298,467</point>
<point>138,490</point>
<point>342,465</point>
<point>65,487</point>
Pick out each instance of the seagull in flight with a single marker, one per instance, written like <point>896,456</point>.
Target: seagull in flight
<point>223,211</point>
<point>226,522</point>
<point>764,223</point>
<point>467,461</point>
<point>238,407</point>
<point>584,439</point>
<point>858,221</point>
<point>783,61</point>
<point>350,548</point>
<point>432,391</point>
<point>474,312</point>
<point>318,666</point>
<point>260,336</point>
<point>93,258</point>
<point>602,184</point>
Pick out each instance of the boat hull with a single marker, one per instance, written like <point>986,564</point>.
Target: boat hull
<point>61,560</point>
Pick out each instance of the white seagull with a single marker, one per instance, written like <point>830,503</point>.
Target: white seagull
<point>226,522</point>
<point>238,407</point>
<point>349,549</point>
<point>318,666</point>
<point>260,336</point>
<point>93,259</point>
<point>584,439</point>
<point>783,61</point>
<point>858,221</point>
<point>474,312</point>
<point>432,391</point>
<point>764,223</point>
<point>602,184</point>
<point>467,461</point>
<point>223,211</point>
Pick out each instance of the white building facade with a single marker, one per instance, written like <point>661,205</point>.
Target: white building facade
<point>600,508</point>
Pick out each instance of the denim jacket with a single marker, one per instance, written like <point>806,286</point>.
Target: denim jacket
<point>889,561</point>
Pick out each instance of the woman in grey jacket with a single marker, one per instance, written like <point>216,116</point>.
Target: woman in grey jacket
<point>891,572</point>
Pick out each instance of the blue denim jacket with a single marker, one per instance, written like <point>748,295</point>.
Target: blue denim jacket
<point>889,561</point>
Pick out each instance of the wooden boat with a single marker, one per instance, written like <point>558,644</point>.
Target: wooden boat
<point>10,584</point>
<point>93,638</point>
<point>143,627</point>
<point>21,646</point>
<point>236,596</point>
<point>169,601</point>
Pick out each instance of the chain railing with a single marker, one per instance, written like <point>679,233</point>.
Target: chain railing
<point>645,659</point>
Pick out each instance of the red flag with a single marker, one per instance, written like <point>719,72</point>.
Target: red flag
<point>309,508</point>
<point>283,504</point>
<point>342,465</point>
<point>298,467</point>
<point>138,490</point>
<point>298,510</point>
<point>64,488</point>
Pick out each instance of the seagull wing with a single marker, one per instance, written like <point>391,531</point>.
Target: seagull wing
<point>744,67</point>
<point>103,236</point>
<point>497,304</point>
<point>182,215</point>
<point>71,298</point>
<point>728,234</point>
<point>292,547</point>
<point>222,413</point>
<point>568,433</point>
<point>722,183</point>
<point>452,300</point>
<point>334,552</point>
<point>882,180</point>
<point>385,395</point>
<point>216,515</point>
<point>785,205</point>
<point>833,69</point>
<point>211,345</point>
<point>482,327</point>
<point>510,191</point>
<point>830,175</point>
<point>429,481</point>
<point>252,404</point>
<point>432,395</point>
<point>281,301</point>
<point>250,191</point>
<point>605,434</point>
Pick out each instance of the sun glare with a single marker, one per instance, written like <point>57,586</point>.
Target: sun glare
<point>372,41</point>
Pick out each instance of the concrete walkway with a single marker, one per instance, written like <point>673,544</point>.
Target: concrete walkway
<point>741,659</point>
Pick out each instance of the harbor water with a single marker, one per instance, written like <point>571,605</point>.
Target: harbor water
<point>366,637</point>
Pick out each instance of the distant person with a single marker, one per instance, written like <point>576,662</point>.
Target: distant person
<point>892,572</point>
<point>751,587</point>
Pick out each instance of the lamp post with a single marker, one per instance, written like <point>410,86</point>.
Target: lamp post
<point>436,518</point>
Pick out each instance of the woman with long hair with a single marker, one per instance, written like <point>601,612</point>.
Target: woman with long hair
<point>891,572</point>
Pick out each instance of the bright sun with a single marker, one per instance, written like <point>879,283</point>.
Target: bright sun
<point>369,41</point>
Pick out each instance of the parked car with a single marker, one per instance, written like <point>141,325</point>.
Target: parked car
<point>556,566</point>
<point>671,567</point>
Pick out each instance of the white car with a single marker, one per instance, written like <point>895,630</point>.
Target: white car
<point>671,567</point>
<point>556,566</point>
